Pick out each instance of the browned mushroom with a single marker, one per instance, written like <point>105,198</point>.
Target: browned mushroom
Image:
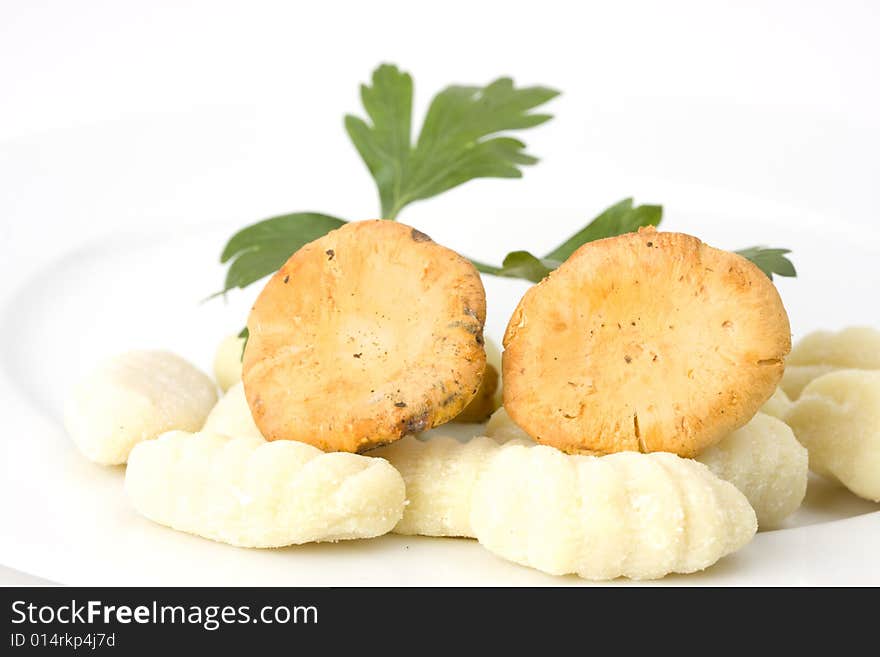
<point>365,335</point>
<point>648,342</point>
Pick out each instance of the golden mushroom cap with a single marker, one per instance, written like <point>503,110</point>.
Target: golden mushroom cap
<point>644,342</point>
<point>367,334</point>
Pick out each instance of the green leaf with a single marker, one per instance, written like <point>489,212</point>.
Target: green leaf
<point>620,218</point>
<point>385,146</point>
<point>460,139</point>
<point>770,261</point>
<point>522,264</point>
<point>261,249</point>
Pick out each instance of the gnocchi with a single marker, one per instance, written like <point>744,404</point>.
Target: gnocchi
<point>763,460</point>
<point>777,405</point>
<point>440,476</point>
<point>232,415</point>
<point>627,514</point>
<point>133,397</point>
<point>766,463</point>
<point>821,352</point>
<point>837,418</point>
<point>576,514</point>
<point>796,377</point>
<point>856,347</point>
<point>227,362</point>
<point>252,493</point>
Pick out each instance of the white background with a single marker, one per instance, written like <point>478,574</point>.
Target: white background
<point>778,93</point>
<point>775,99</point>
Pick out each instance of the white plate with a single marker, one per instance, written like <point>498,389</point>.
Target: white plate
<point>62,309</point>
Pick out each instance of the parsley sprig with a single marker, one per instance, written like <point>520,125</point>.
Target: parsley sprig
<point>462,137</point>
<point>770,261</point>
<point>465,136</point>
<point>622,217</point>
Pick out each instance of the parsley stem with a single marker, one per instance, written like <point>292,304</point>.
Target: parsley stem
<point>391,212</point>
<point>487,269</point>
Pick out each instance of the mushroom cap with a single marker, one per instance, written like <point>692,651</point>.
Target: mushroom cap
<point>484,402</point>
<point>367,334</point>
<point>644,342</point>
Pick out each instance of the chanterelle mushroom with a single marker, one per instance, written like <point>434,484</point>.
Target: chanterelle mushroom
<point>646,342</point>
<point>365,335</point>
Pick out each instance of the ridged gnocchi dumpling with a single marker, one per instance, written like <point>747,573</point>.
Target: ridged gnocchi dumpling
<point>227,362</point>
<point>440,476</point>
<point>232,415</point>
<point>763,460</point>
<point>252,493</point>
<point>837,418</point>
<point>766,463</point>
<point>627,514</point>
<point>821,352</point>
<point>133,397</point>
<point>571,514</point>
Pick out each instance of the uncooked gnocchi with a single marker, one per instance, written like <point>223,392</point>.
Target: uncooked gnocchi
<point>252,493</point>
<point>821,352</point>
<point>837,418</point>
<point>232,415</point>
<point>763,460</point>
<point>562,514</point>
<point>134,397</point>
<point>856,347</point>
<point>766,463</point>
<point>227,362</point>
<point>627,514</point>
<point>796,377</point>
<point>777,405</point>
<point>440,476</point>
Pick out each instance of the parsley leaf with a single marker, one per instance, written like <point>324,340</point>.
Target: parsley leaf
<point>261,249</point>
<point>770,261</point>
<point>462,138</point>
<point>622,217</point>
<point>459,141</point>
<point>520,264</point>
